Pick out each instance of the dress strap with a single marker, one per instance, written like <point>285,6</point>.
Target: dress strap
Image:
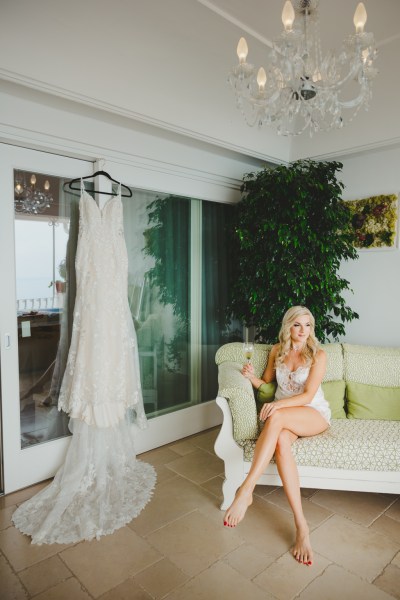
<point>119,191</point>
<point>82,186</point>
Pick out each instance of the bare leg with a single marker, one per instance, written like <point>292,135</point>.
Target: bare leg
<point>303,421</point>
<point>288,473</point>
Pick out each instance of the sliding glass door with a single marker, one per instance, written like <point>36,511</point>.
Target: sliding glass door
<point>178,251</point>
<point>39,227</point>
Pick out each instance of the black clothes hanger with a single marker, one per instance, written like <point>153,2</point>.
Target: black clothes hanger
<point>78,179</point>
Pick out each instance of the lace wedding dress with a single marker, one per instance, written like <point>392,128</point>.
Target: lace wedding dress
<point>101,486</point>
<point>291,383</point>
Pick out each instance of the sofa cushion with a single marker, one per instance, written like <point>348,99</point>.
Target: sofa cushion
<point>372,401</point>
<point>372,365</point>
<point>265,393</point>
<point>334,362</point>
<point>334,392</point>
<point>352,444</point>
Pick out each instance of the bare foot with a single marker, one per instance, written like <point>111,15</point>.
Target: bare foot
<point>237,509</point>
<point>302,550</point>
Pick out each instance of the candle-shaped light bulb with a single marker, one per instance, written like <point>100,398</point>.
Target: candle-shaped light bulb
<point>242,50</point>
<point>18,188</point>
<point>288,16</point>
<point>261,79</point>
<point>47,185</point>
<point>33,179</point>
<point>360,17</point>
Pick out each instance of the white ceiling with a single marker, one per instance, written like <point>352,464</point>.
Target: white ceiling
<point>165,63</point>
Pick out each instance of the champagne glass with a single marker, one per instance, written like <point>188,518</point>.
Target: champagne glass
<point>248,349</point>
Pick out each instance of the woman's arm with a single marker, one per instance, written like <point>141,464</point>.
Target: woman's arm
<point>314,379</point>
<point>269,373</point>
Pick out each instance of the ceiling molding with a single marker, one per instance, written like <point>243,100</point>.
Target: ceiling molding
<point>228,17</point>
<point>66,94</point>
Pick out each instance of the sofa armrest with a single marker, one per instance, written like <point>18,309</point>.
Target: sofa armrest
<point>239,393</point>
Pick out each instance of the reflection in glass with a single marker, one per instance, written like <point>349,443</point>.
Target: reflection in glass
<point>45,245</point>
<point>178,289</point>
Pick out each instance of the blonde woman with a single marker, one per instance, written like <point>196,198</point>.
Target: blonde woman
<point>299,409</point>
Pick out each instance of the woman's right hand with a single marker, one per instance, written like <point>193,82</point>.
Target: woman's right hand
<point>248,371</point>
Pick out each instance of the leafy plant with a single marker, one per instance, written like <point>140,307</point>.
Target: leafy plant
<point>291,233</point>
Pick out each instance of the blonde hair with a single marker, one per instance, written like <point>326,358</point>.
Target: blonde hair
<point>310,348</point>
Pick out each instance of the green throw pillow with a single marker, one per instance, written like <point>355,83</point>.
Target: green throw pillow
<point>265,393</point>
<point>334,393</point>
<point>372,402</point>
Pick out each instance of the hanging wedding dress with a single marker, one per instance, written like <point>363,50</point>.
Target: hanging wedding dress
<point>101,486</point>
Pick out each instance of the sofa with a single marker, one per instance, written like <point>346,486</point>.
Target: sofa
<point>360,451</point>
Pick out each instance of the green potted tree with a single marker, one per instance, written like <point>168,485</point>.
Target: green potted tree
<point>290,235</point>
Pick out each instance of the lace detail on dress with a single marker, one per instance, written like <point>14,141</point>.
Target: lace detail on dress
<point>102,376</point>
<point>291,383</point>
<point>101,486</point>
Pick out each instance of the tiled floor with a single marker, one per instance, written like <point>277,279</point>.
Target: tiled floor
<point>178,548</point>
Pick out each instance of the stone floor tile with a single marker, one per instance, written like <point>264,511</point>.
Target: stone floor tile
<point>206,440</point>
<point>21,553</point>
<point>360,507</point>
<point>248,560</point>
<point>21,495</point>
<point>356,548</point>
<point>198,466</point>
<point>387,526</point>
<point>396,560</point>
<point>336,583</point>
<point>264,490</point>
<point>192,543</point>
<point>268,528</point>
<point>170,501</point>
<point>10,586</point>
<point>219,582</point>
<point>70,589</point>
<point>314,513</point>
<point>128,590</point>
<point>164,474</point>
<point>103,564</point>
<point>182,448</point>
<point>389,581</point>
<point>5,516</point>
<point>214,486</point>
<point>286,578</point>
<point>394,510</point>
<point>161,578</point>
<point>159,456</point>
<point>44,575</point>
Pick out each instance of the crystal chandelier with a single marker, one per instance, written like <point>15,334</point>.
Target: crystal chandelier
<point>302,88</point>
<point>29,199</point>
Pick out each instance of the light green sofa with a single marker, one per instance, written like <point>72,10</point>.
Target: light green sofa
<point>361,449</point>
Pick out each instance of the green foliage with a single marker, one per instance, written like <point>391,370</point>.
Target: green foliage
<point>291,233</point>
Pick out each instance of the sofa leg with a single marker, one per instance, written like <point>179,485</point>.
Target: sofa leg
<point>228,450</point>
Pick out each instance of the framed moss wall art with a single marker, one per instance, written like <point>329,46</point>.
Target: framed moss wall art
<point>374,222</point>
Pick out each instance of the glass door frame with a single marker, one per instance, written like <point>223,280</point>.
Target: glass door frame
<point>22,467</point>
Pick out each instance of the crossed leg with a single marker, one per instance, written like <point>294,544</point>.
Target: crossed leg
<point>288,473</point>
<point>296,421</point>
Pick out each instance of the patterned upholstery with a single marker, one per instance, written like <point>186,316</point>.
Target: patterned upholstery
<point>359,445</point>
<point>372,365</point>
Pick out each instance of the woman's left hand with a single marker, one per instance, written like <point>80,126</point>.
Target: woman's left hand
<point>269,408</point>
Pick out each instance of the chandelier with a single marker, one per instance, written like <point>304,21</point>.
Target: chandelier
<point>302,88</point>
<point>29,199</point>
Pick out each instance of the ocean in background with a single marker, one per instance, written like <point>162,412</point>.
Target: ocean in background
<point>34,287</point>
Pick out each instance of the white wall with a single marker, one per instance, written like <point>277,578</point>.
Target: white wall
<point>147,156</point>
<point>159,62</point>
<point>375,276</point>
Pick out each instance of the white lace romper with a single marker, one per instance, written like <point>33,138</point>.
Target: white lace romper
<point>291,383</point>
